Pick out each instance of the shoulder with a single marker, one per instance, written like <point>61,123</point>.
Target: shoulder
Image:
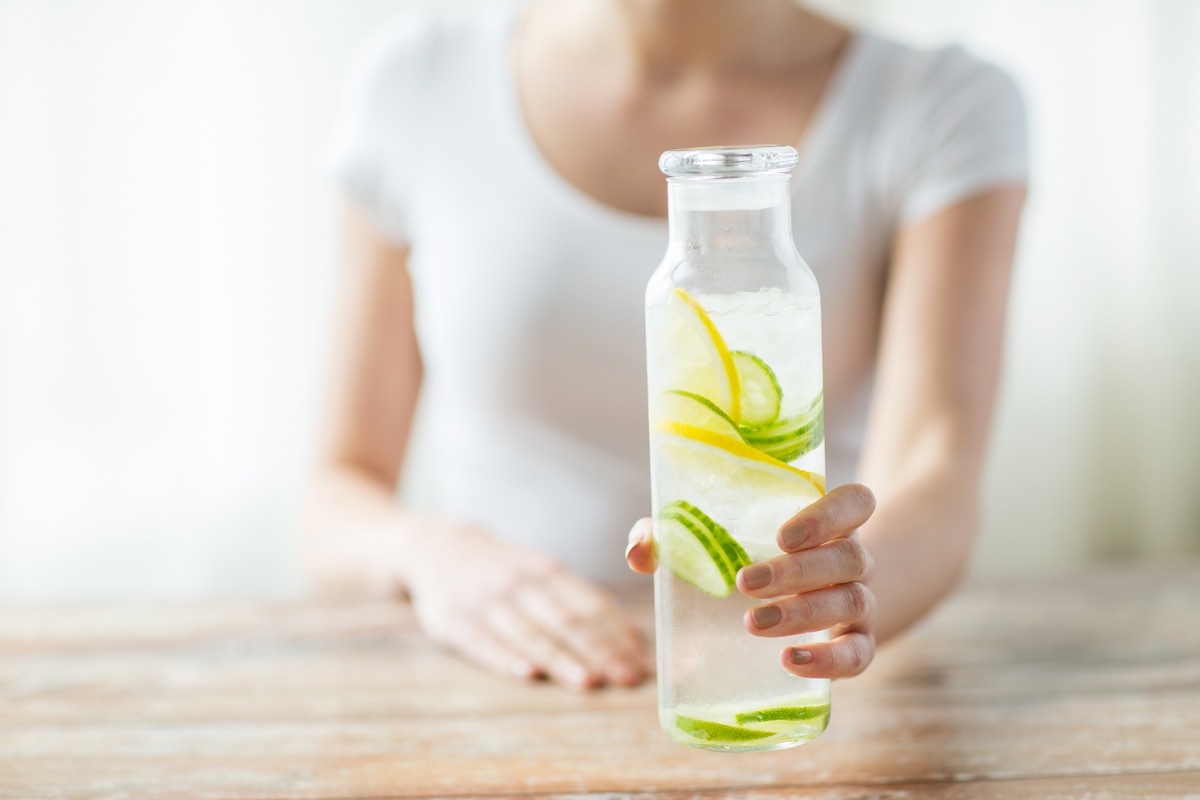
<point>428,39</point>
<point>938,124</point>
<point>919,85</point>
<point>400,84</point>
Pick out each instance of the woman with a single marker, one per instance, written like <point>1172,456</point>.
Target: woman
<point>505,212</point>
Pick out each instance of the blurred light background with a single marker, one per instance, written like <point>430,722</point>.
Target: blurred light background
<point>167,261</point>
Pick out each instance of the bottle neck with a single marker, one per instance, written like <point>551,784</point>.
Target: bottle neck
<point>727,214</point>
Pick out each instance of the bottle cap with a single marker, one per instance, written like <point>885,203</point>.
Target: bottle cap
<point>729,162</point>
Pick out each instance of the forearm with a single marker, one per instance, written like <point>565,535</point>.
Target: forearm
<point>354,536</point>
<point>920,537</point>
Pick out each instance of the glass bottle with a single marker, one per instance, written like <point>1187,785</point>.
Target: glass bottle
<point>733,326</point>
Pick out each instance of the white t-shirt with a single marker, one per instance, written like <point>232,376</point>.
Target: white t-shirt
<point>529,293</point>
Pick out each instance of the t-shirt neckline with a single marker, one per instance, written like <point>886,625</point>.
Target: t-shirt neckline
<point>534,163</point>
<point>831,104</point>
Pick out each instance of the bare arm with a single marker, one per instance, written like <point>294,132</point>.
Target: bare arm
<point>866,564</point>
<point>939,365</point>
<point>509,609</point>
<point>355,533</point>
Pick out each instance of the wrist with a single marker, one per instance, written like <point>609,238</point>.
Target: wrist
<point>425,547</point>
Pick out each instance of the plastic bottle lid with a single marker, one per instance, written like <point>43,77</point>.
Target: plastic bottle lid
<point>729,162</point>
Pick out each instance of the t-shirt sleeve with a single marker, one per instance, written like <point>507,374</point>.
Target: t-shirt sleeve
<point>971,137</point>
<point>373,134</point>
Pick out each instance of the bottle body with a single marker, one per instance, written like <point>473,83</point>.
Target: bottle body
<point>737,447</point>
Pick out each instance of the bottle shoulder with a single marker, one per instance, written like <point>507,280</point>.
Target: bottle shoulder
<point>733,273</point>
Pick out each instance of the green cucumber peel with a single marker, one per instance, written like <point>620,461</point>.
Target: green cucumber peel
<point>784,713</point>
<point>708,731</point>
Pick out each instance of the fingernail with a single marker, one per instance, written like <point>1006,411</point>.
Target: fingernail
<point>636,537</point>
<point>766,616</point>
<point>801,656</point>
<point>793,537</point>
<point>756,576</point>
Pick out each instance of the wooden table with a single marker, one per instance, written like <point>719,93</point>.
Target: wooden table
<point>1083,686</point>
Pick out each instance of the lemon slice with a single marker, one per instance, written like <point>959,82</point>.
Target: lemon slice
<point>698,550</point>
<point>708,731</point>
<point>692,409</point>
<point>735,461</point>
<point>702,362</point>
<point>759,395</point>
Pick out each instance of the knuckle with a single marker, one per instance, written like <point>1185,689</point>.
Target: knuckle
<point>787,569</point>
<point>850,656</point>
<point>843,657</point>
<point>589,625</point>
<point>850,660</point>
<point>862,653</point>
<point>862,498</point>
<point>858,600</point>
<point>804,608</point>
<point>839,659</point>
<point>856,559</point>
<point>592,609</point>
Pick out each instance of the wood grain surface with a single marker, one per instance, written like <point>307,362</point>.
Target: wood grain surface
<point>1085,685</point>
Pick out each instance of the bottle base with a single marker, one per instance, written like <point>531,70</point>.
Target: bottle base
<point>750,747</point>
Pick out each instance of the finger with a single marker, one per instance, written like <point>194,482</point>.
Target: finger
<point>834,516</point>
<point>812,611</point>
<point>839,561</point>
<point>596,628</point>
<point>486,650</point>
<point>640,552</point>
<point>579,599</point>
<point>522,636</point>
<point>588,639</point>
<point>842,657</point>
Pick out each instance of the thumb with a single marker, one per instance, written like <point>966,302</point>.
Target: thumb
<point>640,552</point>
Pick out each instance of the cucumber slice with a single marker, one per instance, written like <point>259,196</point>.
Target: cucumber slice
<point>789,438</point>
<point>696,549</point>
<point>691,555</point>
<point>759,391</point>
<point>708,731</point>
<point>692,409</point>
<point>784,713</point>
<point>735,555</point>
<point>789,448</point>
